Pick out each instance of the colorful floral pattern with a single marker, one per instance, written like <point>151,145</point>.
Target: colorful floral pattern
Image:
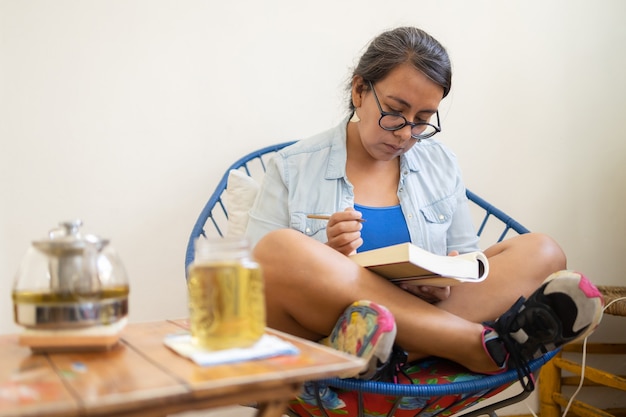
<point>435,371</point>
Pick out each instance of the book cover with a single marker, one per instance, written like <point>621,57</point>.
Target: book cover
<point>409,264</point>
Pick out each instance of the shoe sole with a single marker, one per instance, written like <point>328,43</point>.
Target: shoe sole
<point>577,286</point>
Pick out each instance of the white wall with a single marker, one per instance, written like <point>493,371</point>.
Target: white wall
<point>126,113</point>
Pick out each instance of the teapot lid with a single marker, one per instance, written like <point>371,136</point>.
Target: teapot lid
<point>67,240</point>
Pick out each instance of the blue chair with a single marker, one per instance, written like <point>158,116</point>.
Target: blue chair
<point>494,225</point>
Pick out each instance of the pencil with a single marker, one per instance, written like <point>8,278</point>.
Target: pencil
<point>325,217</point>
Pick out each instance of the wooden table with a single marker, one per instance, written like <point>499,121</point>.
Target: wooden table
<point>142,377</point>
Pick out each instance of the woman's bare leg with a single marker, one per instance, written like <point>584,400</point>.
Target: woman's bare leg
<point>518,266</point>
<point>308,286</point>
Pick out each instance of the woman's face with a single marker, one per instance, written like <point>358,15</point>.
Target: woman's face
<point>404,90</point>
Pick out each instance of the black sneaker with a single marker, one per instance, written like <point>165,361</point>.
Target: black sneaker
<point>388,371</point>
<point>567,307</point>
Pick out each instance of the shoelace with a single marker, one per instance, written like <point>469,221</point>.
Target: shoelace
<point>521,365</point>
<point>389,370</point>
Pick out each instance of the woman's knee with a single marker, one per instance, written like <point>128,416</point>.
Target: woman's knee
<point>273,249</point>
<point>288,256</point>
<point>276,243</point>
<point>532,251</point>
<point>550,251</point>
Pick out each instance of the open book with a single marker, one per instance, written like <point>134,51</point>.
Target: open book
<point>408,264</point>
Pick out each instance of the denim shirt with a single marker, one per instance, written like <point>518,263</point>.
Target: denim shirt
<point>310,177</point>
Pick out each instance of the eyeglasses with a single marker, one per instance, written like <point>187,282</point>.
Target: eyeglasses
<point>392,121</point>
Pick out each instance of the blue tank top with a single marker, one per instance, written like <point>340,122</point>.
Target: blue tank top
<point>383,226</point>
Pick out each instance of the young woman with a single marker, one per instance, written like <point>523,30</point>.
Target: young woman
<point>384,164</point>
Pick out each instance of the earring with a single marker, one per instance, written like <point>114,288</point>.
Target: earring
<point>355,117</point>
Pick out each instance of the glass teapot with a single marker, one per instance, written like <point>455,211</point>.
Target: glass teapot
<point>70,280</point>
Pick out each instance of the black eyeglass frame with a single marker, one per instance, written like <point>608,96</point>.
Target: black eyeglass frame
<point>406,122</point>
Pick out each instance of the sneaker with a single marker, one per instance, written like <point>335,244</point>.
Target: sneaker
<point>567,307</point>
<point>366,330</point>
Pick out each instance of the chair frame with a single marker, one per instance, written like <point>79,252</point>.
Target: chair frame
<point>215,207</point>
<point>215,203</point>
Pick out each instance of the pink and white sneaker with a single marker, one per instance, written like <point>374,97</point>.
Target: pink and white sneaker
<point>567,307</point>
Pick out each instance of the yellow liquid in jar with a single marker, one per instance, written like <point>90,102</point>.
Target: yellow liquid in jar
<point>226,304</point>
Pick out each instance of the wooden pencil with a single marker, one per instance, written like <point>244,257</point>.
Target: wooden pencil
<point>325,217</point>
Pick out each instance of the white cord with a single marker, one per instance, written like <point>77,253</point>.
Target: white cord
<point>531,410</point>
<point>584,361</point>
<point>582,378</point>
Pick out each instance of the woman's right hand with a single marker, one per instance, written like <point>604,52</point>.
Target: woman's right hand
<point>344,231</point>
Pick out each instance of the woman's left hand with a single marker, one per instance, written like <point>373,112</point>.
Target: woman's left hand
<point>430,293</point>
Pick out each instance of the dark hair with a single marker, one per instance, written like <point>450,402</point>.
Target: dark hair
<point>404,45</point>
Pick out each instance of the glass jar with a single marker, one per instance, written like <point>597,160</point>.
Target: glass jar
<point>226,295</point>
